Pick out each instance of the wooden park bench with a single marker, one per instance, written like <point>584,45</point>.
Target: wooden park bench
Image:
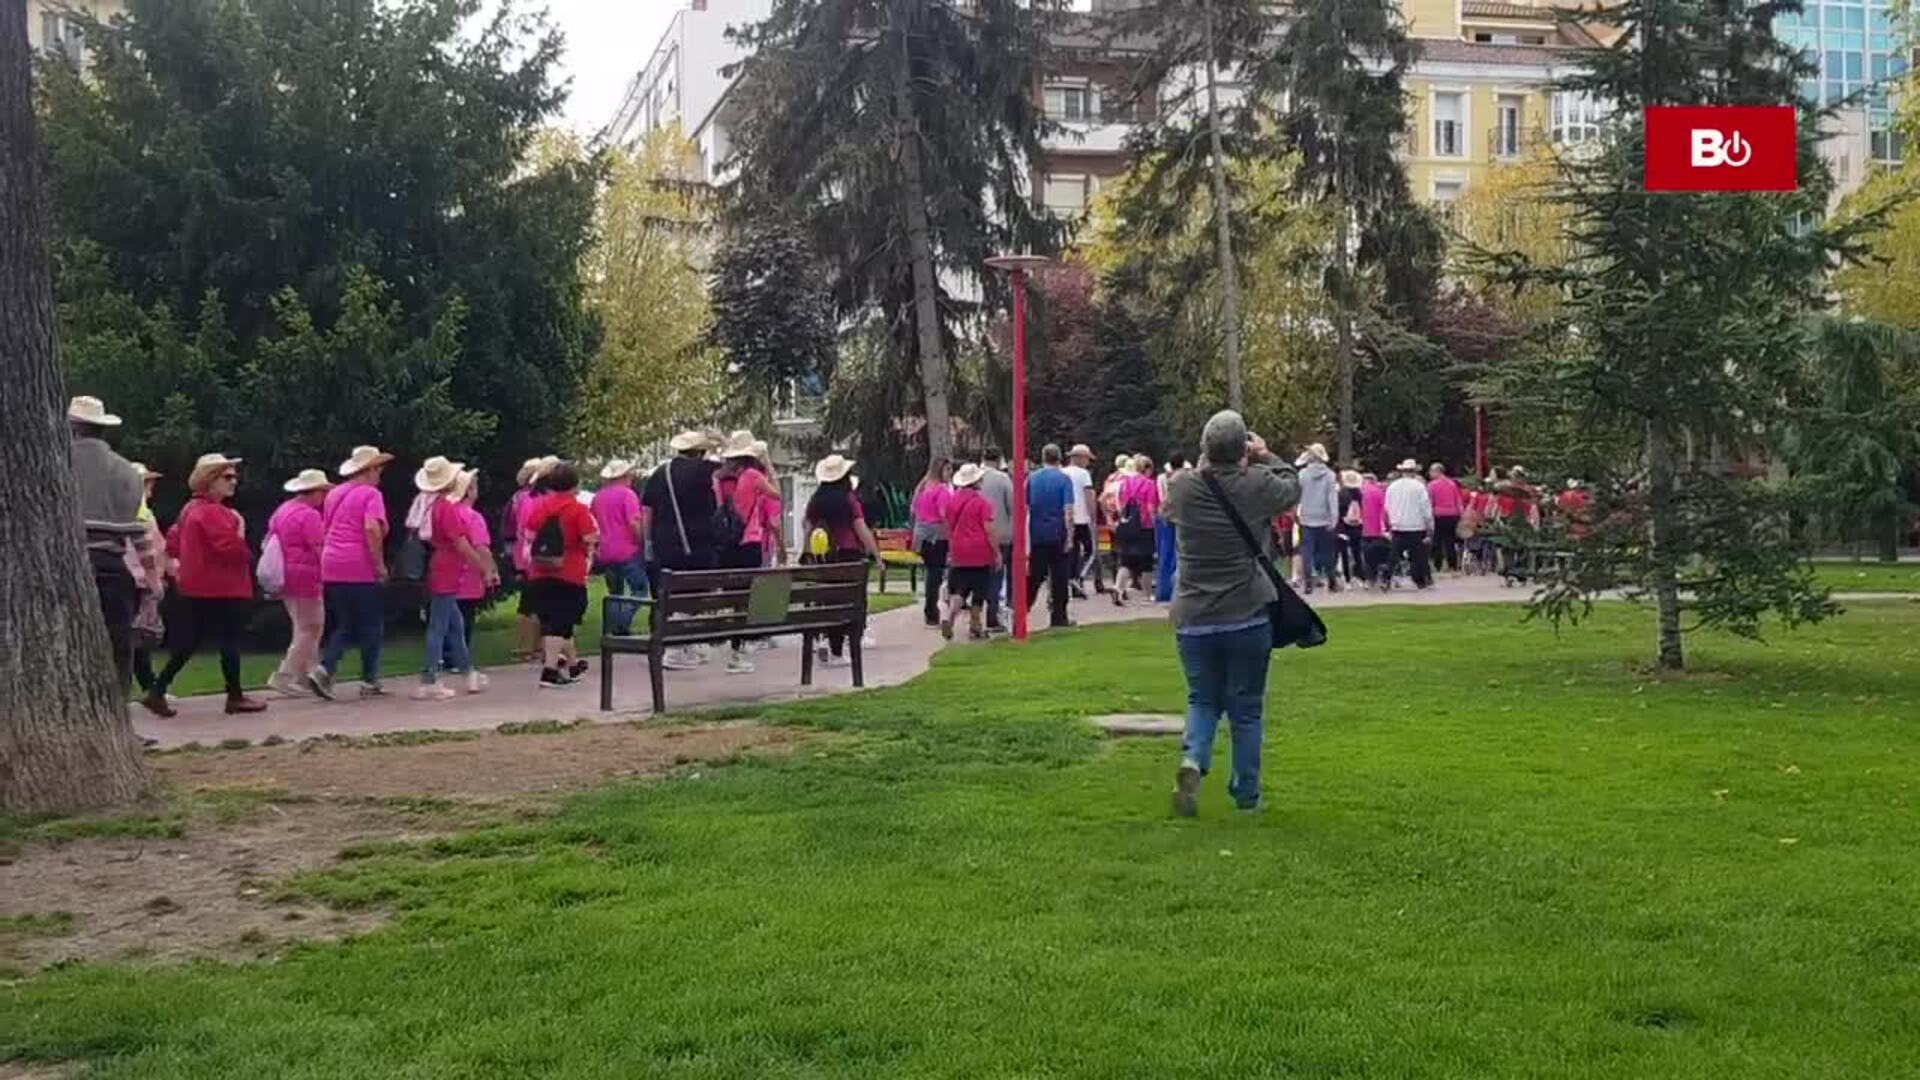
<point>896,549</point>
<point>699,607</point>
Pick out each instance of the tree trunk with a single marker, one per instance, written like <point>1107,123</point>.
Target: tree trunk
<point>65,743</point>
<point>926,282</point>
<point>1343,330</point>
<point>1887,529</point>
<point>1660,545</point>
<point>1223,230</point>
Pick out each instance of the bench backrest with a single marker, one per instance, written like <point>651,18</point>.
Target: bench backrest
<point>893,539</point>
<point>696,604</point>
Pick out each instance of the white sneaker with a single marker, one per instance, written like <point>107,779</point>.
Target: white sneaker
<point>372,690</point>
<point>436,692</point>
<point>680,660</point>
<point>476,682</point>
<point>738,664</point>
<point>866,640</point>
<point>286,685</point>
<point>703,653</point>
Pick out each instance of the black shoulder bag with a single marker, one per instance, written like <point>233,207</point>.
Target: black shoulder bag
<point>1293,622</point>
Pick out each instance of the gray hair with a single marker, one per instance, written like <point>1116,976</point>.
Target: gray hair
<point>1050,454</point>
<point>1224,439</point>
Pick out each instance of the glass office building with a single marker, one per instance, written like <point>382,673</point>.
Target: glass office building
<point>1857,49</point>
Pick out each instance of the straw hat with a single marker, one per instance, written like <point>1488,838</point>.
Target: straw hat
<point>1124,461</point>
<point>308,480</point>
<point>968,475</point>
<point>526,473</point>
<point>617,468</point>
<point>738,445</point>
<point>760,449</point>
<point>90,410</point>
<point>364,458</point>
<point>1318,452</point>
<point>831,468</point>
<point>1350,478</point>
<point>1081,450</point>
<point>437,474</point>
<point>1408,466</point>
<point>208,467</point>
<point>690,440</point>
<point>462,485</point>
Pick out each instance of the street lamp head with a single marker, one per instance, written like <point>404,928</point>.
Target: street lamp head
<point>1013,263</point>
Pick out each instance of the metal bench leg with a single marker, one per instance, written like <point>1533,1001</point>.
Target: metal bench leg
<point>806,659</point>
<point>606,679</point>
<point>657,675</point>
<point>853,649</point>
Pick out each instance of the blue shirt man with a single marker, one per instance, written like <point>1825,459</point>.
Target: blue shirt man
<point>1049,505</point>
<point>1050,497</point>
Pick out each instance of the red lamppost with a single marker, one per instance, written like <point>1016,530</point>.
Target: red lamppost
<point>1018,267</point>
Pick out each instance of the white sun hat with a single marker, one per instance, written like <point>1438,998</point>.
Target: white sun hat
<point>308,480</point>
<point>968,475</point>
<point>438,474</point>
<point>617,468</point>
<point>91,410</point>
<point>364,458</point>
<point>690,440</point>
<point>831,468</point>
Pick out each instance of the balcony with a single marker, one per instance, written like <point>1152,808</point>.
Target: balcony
<point>1513,145</point>
<point>1090,137</point>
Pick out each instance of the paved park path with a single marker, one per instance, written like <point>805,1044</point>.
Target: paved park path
<point>904,649</point>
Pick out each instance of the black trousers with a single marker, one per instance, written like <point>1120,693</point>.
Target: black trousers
<point>836,640</point>
<point>1413,545</point>
<point>1086,556</point>
<point>741,557</point>
<point>933,556</point>
<point>999,580</point>
<point>1051,562</point>
<point>221,621</point>
<point>1446,542</point>
<point>119,598</point>
<point>1376,554</point>
<point>1351,561</point>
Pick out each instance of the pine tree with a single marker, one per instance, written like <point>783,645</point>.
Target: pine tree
<point>1685,321</point>
<point>900,134</point>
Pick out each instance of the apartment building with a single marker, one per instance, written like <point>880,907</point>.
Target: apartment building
<point>52,28</point>
<point>683,81</point>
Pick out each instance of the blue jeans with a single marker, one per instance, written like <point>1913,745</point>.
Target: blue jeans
<point>446,639</point>
<point>1317,550</point>
<point>1227,673</point>
<point>358,615</point>
<point>624,579</point>
<point>1166,560</point>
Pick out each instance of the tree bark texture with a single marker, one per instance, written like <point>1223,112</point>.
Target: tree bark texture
<point>926,281</point>
<point>1223,235</point>
<point>1343,329</point>
<point>65,741</point>
<point>1660,546</point>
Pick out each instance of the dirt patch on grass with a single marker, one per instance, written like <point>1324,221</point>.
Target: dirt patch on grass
<point>492,768</point>
<point>198,879</point>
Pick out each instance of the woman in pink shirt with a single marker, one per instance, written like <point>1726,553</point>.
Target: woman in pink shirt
<point>1138,501</point>
<point>1376,549</point>
<point>743,486</point>
<point>455,552</point>
<point>930,531</point>
<point>622,538</point>
<point>296,527</point>
<point>473,580</point>
<point>353,570</point>
<point>1444,493</point>
<point>972,556</point>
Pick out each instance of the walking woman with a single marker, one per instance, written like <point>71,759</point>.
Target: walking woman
<point>296,527</point>
<point>455,551</point>
<point>151,570</point>
<point>216,577</point>
<point>930,530</point>
<point>1220,621</point>
<point>1350,526</point>
<point>743,488</point>
<point>834,511</point>
<point>353,571</point>
<point>1138,498</point>
<point>1166,553</point>
<point>474,584</point>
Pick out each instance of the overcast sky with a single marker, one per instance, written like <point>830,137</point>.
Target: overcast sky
<point>607,41</point>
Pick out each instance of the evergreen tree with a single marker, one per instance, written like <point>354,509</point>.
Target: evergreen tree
<point>900,134</point>
<point>1685,320</point>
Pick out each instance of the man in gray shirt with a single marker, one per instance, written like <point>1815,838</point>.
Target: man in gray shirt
<point>1319,513</point>
<point>997,487</point>
<point>111,491</point>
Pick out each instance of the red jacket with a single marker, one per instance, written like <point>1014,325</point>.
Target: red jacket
<point>215,562</point>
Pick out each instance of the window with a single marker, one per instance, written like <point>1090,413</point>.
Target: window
<point>1449,123</point>
<point>60,36</point>
<point>1071,102</point>
<point>1446,193</point>
<point>1506,132</point>
<point>1065,194</point>
<point>1577,117</point>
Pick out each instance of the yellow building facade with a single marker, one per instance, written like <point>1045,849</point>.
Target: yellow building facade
<point>49,26</point>
<point>1480,94</point>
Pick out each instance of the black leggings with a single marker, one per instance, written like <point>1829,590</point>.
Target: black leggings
<point>837,641</point>
<point>222,621</point>
<point>933,553</point>
<point>742,557</point>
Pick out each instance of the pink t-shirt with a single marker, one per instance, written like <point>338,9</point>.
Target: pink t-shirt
<point>930,504</point>
<point>748,492</point>
<point>516,520</point>
<point>616,508</point>
<point>969,520</point>
<point>449,527</point>
<point>1143,490</point>
<point>301,538</point>
<point>344,558</point>
<point>1445,496</point>
<point>473,583</point>
<point>1373,510</point>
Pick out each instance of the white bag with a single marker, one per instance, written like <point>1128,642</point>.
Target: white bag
<point>272,568</point>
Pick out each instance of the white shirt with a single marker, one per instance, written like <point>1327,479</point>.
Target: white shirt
<point>1409,509</point>
<point>1082,483</point>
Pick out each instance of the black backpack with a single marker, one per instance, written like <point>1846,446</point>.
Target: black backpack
<point>550,543</point>
<point>728,527</point>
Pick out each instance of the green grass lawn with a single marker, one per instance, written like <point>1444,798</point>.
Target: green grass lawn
<point>1488,851</point>
<point>1868,576</point>
<point>404,654</point>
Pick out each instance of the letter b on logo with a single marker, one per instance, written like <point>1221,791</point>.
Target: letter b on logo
<point>1711,149</point>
